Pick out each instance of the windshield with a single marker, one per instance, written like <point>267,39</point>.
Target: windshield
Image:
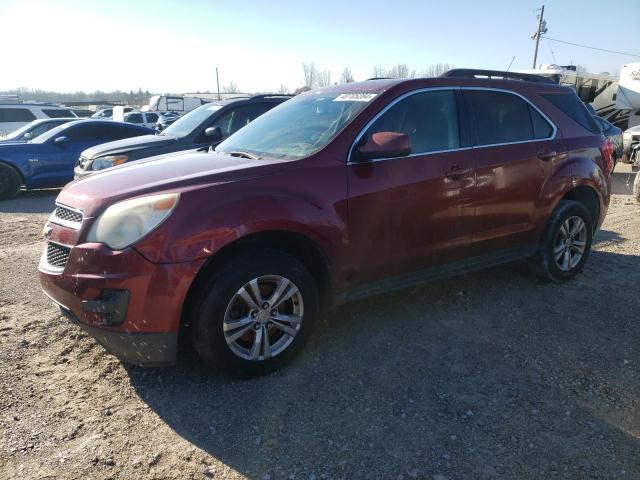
<point>54,132</point>
<point>298,127</point>
<point>189,122</point>
<point>16,134</point>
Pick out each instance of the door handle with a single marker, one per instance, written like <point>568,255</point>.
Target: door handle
<point>547,155</point>
<point>455,172</point>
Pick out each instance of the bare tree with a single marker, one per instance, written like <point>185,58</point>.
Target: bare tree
<point>310,74</point>
<point>435,70</point>
<point>283,89</point>
<point>230,87</point>
<point>347,76</point>
<point>401,70</point>
<point>379,72</point>
<point>324,78</point>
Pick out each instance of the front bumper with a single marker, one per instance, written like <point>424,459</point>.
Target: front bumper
<point>144,329</point>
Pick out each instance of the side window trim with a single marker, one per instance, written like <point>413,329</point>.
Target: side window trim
<point>474,129</point>
<point>463,127</point>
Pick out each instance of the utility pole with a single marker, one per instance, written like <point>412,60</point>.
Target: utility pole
<point>539,32</point>
<point>218,81</point>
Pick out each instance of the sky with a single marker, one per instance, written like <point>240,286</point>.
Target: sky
<point>175,47</point>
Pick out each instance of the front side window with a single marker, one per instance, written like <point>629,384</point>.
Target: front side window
<point>298,127</point>
<point>503,117</point>
<point>430,119</point>
<point>16,115</point>
<point>186,124</point>
<point>152,117</point>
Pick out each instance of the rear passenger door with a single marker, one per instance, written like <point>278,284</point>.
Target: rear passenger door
<point>410,213</point>
<point>515,150</point>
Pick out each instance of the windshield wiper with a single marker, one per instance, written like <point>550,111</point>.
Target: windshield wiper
<point>243,154</point>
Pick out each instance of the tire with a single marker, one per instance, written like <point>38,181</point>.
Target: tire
<point>218,309</point>
<point>9,182</point>
<point>636,187</point>
<point>545,263</point>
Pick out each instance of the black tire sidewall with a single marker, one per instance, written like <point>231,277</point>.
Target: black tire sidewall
<point>565,210</point>
<point>210,306</point>
<point>9,183</point>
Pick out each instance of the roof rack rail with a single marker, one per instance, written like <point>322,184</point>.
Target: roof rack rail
<point>495,74</point>
<point>379,78</point>
<point>268,95</point>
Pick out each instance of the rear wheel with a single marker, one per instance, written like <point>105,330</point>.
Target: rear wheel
<point>255,313</point>
<point>565,244</point>
<point>9,182</point>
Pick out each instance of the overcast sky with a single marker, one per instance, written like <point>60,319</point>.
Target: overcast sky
<point>69,45</point>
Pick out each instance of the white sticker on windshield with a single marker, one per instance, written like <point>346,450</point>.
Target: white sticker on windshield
<point>355,97</point>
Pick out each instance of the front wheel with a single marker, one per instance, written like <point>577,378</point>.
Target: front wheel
<point>255,313</point>
<point>9,182</point>
<point>565,244</point>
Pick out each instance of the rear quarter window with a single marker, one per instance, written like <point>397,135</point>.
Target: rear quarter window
<point>572,106</point>
<point>16,115</point>
<point>57,113</point>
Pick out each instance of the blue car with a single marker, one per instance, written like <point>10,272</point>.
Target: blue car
<point>48,160</point>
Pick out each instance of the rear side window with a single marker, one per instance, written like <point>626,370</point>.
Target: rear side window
<point>134,118</point>
<point>16,115</point>
<point>503,117</point>
<point>430,119</point>
<point>57,113</point>
<point>573,107</point>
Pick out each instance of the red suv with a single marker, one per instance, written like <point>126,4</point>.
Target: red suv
<point>337,194</point>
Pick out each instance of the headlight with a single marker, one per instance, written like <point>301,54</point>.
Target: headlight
<point>124,223</point>
<point>108,161</point>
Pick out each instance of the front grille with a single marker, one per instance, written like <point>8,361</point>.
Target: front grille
<point>67,215</point>
<point>57,255</point>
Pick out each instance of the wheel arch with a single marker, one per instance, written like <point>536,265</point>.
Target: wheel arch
<point>15,169</point>
<point>295,244</point>
<point>587,196</point>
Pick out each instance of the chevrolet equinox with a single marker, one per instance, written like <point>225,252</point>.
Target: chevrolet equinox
<point>335,195</point>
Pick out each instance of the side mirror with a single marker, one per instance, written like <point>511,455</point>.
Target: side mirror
<point>214,134</point>
<point>384,145</point>
<point>27,136</point>
<point>61,140</point>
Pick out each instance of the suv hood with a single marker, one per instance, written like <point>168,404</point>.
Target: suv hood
<point>178,172</point>
<point>127,145</point>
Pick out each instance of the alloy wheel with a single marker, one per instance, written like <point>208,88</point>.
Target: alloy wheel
<point>570,243</point>
<point>263,317</point>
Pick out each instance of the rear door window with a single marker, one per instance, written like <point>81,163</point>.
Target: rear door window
<point>57,113</point>
<point>430,119</point>
<point>573,107</point>
<point>501,117</point>
<point>16,115</point>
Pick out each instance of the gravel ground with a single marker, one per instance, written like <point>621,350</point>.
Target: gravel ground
<point>489,375</point>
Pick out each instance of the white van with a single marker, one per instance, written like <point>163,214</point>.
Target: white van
<point>173,103</point>
<point>15,114</point>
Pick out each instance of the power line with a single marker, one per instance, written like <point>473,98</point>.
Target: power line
<point>590,47</point>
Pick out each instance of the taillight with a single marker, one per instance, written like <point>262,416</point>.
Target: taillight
<point>607,154</point>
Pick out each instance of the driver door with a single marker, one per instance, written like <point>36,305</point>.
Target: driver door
<point>409,213</point>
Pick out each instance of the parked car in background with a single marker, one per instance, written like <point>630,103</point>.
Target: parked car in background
<point>206,125</point>
<point>614,135</point>
<point>173,103</point>
<point>48,160</point>
<point>630,137</point>
<point>36,128</point>
<point>166,119</point>
<point>107,113</point>
<point>146,119</point>
<point>15,115</point>
<point>335,195</point>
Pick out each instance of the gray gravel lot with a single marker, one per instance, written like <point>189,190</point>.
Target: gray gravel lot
<point>490,375</point>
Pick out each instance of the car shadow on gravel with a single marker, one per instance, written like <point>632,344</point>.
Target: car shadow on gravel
<point>489,375</point>
<point>31,201</point>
